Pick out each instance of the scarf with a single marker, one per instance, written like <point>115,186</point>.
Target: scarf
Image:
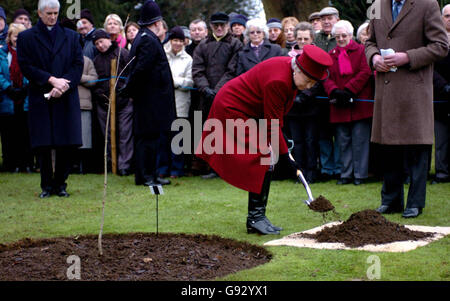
<point>345,65</point>
<point>14,70</point>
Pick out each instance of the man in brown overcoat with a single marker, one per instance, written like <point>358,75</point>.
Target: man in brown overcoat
<point>403,112</point>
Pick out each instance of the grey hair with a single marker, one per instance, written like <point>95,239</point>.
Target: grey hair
<point>294,66</point>
<point>444,8</point>
<point>43,4</point>
<point>197,21</point>
<point>258,23</point>
<point>361,29</point>
<point>344,24</point>
<point>304,26</point>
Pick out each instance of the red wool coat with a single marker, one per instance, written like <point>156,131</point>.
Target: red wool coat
<point>360,83</point>
<point>265,92</point>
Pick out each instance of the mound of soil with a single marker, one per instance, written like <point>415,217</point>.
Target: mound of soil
<point>135,256</point>
<point>321,204</point>
<point>366,227</point>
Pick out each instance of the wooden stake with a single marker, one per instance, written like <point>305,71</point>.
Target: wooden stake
<point>112,97</point>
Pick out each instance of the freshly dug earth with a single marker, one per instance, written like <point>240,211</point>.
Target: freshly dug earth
<point>321,204</point>
<point>135,256</point>
<point>366,227</point>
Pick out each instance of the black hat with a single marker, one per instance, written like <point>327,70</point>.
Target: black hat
<point>219,17</point>
<point>20,12</point>
<point>176,33</point>
<point>86,14</point>
<point>150,13</point>
<point>239,19</point>
<point>68,23</point>
<point>100,34</point>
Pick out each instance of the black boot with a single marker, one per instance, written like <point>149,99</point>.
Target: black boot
<point>265,198</point>
<point>257,221</point>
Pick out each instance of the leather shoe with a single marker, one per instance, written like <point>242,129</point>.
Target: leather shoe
<point>411,212</point>
<point>45,194</point>
<point>344,181</point>
<point>386,209</point>
<point>358,181</point>
<point>210,176</point>
<point>62,193</point>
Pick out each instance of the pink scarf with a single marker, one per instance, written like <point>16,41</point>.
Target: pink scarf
<point>345,65</point>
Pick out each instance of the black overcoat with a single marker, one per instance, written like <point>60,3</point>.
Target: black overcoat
<point>150,84</point>
<point>56,122</point>
<point>247,58</point>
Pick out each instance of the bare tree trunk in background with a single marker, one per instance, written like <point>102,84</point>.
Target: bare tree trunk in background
<point>300,9</point>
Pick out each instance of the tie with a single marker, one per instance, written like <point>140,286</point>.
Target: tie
<point>395,10</point>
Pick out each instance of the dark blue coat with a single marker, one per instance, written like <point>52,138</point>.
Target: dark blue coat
<point>150,84</point>
<point>56,122</point>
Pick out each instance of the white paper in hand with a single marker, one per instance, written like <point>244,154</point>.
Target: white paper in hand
<point>385,52</point>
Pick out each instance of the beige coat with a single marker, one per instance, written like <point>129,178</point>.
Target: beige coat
<point>403,112</point>
<point>89,74</point>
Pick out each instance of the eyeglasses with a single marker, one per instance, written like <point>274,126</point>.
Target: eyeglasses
<point>256,32</point>
<point>343,36</point>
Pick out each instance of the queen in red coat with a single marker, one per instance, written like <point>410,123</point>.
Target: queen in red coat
<point>255,104</point>
<point>350,79</point>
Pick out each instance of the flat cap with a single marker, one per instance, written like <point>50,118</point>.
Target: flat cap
<point>329,11</point>
<point>219,17</point>
<point>313,16</point>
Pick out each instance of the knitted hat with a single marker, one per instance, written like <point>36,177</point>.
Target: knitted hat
<point>274,23</point>
<point>86,14</point>
<point>314,62</point>
<point>176,33</point>
<point>219,17</point>
<point>239,19</point>
<point>100,34</point>
<point>150,13</point>
<point>20,12</point>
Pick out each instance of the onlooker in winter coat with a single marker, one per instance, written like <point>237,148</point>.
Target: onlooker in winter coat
<point>350,80</point>
<point>258,48</point>
<point>22,16</point>
<point>289,24</point>
<point>131,31</point>
<point>86,28</point>
<point>181,67</point>
<point>215,62</point>
<point>3,27</point>
<point>238,26</point>
<point>16,148</point>
<point>276,35</point>
<point>124,108</point>
<point>51,58</point>
<point>199,31</point>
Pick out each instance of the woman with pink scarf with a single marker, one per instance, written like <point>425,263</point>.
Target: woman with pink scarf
<point>350,79</point>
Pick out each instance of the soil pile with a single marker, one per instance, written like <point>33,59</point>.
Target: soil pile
<point>136,256</point>
<point>321,204</point>
<point>366,227</point>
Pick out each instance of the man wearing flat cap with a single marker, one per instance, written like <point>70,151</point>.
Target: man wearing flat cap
<point>262,96</point>
<point>86,29</point>
<point>150,85</point>
<point>214,63</point>
<point>315,21</point>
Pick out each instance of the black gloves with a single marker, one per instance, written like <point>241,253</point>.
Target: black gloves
<point>209,93</point>
<point>342,98</point>
<point>304,97</point>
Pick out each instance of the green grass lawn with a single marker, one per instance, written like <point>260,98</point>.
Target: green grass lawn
<point>194,205</point>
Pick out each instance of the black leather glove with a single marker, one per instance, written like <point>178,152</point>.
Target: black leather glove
<point>344,98</point>
<point>303,97</point>
<point>11,92</point>
<point>209,93</point>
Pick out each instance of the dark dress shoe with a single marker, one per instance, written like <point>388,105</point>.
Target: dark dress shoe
<point>411,212</point>
<point>387,209</point>
<point>358,181</point>
<point>45,194</point>
<point>344,181</point>
<point>210,176</point>
<point>62,193</point>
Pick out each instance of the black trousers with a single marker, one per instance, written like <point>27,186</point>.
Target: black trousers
<point>54,179</point>
<point>416,158</point>
<point>146,150</point>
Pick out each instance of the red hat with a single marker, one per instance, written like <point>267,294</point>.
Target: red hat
<point>314,62</point>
